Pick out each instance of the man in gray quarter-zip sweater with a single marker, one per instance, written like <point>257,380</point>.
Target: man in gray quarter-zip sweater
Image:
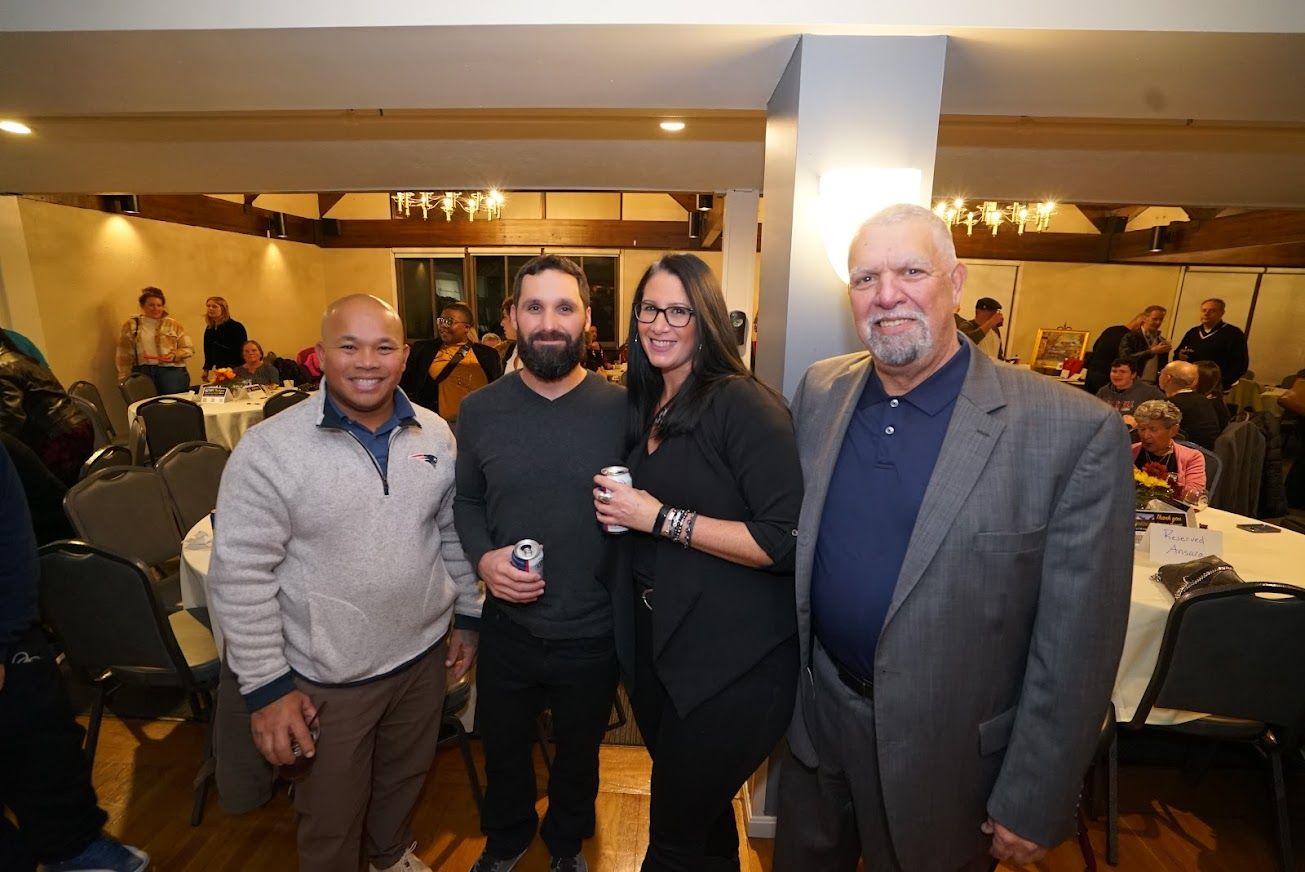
<point>338,577</point>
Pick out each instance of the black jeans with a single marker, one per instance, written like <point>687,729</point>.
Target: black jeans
<point>519,675</point>
<point>44,777</point>
<point>701,759</point>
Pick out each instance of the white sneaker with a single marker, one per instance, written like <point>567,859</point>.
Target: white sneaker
<point>409,862</point>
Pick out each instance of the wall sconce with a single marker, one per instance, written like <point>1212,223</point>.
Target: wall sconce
<point>125,204</point>
<point>276,226</point>
<point>849,196</point>
<point>704,202</point>
<point>1159,237</point>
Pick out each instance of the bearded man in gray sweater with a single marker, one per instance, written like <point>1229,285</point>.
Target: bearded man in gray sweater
<point>342,589</point>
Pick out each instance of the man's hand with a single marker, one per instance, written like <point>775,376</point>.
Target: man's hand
<point>1161,347</point>
<point>462,652</point>
<point>507,582</point>
<point>1010,848</point>
<point>276,724</point>
<point>1130,421</point>
<point>996,320</point>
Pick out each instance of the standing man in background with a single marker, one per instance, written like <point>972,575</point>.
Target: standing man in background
<point>960,619</point>
<point>529,446</point>
<point>1217,341</point>
<point>985,328</point>
<point>1145,346</point>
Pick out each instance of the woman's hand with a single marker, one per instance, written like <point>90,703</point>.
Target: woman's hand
<point>626,506</point>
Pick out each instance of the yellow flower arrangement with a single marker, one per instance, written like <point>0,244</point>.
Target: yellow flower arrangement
<point>221,374</point>
<point>1151,485</point>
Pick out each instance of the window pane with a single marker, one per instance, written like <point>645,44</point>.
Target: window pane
<point>415,275</point>
<point>491,288</point>
<point>601,273</point>
<point>515,262</point>
<point>448,281</point>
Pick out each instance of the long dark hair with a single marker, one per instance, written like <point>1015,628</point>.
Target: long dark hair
<point>716,358</point>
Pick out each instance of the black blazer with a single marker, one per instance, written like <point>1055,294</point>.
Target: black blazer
<point>417,382</point>
<point>224,345</point>
<point>713,620</point>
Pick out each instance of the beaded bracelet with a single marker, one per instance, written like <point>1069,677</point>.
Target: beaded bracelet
<point>688,532</point>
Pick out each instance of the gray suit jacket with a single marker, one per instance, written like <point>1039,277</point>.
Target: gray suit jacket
<point>995,663</point>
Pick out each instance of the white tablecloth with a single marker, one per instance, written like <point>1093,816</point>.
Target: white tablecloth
<point>224,423</point>
<point>1255,556</point>
<point>196,549</point>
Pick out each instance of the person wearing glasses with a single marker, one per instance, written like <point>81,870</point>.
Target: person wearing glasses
<point>442,372</point>
<point>702,587</point>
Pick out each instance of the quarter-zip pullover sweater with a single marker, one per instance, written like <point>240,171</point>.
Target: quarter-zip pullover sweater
<point>329,565</point>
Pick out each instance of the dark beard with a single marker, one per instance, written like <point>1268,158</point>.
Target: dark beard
<point>550,364</point>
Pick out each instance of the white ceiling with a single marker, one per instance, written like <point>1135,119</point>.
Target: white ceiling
<point>115,109</point>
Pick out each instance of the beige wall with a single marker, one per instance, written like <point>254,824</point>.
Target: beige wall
<point>89,267</point>
<point>1084,296</point>
<point>359,271</point>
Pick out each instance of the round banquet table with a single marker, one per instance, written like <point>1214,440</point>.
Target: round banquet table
<point>224,423</point>
<point>1255,556</point>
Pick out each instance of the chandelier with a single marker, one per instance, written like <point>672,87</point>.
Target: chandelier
<point>486,204</point>
<point>991,214</point>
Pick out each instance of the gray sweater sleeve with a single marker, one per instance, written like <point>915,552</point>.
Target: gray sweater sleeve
<point>253,529</point>
<point>469,504</point>
<point>470,596</point>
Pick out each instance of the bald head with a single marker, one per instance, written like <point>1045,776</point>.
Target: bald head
<point>1179,376</point>
<point>362,354</point>
<point>339,312</point>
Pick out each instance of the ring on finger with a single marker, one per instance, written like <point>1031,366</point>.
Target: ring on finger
<point>605,497</point>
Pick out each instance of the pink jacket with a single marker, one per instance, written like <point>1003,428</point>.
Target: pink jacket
<point>1191,465</point>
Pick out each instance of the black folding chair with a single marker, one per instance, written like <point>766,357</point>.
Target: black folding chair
<point>90,393</point>
<point>191,473</point>
<point>106,458</point>
<point>1237,653</point>
<point>282,400</point>
<point>102,609</point>
<point>170,421</point>
<point>126,510</point>
<point>137,387</point>
<point>101,437</point>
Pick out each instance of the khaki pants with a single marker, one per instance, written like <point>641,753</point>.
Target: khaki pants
<point>377,744</point>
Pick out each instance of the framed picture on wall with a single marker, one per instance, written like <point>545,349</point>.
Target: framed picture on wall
<point>1053,346</point>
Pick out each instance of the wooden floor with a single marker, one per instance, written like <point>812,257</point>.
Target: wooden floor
<point>143,771</point>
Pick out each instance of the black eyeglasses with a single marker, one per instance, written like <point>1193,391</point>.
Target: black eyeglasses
<point>676,316</point>
<point>449,322</point>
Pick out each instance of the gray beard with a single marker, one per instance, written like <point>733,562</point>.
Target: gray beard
<point>901,349</point>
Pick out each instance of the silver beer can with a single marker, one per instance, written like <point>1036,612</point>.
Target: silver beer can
<point>528,556</point>
<point>621,474</point>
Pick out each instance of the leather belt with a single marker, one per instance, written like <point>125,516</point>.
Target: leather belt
<point>862,687</point>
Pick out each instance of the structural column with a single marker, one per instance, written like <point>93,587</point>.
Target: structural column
<point>861,113</point>
<point>739,259</point>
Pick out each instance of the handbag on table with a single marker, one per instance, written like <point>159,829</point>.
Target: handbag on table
<point>1197,575</point>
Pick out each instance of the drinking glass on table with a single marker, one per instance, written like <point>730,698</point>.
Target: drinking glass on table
<point>1196,497</point>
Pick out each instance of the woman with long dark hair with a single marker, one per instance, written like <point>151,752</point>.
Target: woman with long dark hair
<point>703,593</point>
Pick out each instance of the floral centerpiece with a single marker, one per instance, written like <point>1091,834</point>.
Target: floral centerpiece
<point>1153,482</point>
<point>221,374</point>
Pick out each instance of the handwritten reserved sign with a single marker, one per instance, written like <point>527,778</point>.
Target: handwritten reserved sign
<point>1170,544</point>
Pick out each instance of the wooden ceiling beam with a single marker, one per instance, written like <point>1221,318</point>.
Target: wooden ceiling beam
<point>326,201</point>
<point>715,223</point>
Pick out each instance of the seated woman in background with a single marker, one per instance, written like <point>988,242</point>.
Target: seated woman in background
<point>155,344</point>
<point>224,337</point>
<point>35,410</point>
<point>1209,384</point>
<point>255,370</point>
<point>1157,425</point>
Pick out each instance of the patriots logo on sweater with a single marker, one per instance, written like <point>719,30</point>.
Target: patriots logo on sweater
<point>429,458</point>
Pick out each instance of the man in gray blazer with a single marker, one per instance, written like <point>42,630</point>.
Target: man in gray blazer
<point>963,573</point>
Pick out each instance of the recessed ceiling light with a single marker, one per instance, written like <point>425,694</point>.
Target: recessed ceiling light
<point>9,126</point>
<point>672,126</point>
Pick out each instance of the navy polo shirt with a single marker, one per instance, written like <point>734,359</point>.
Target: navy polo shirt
<point>376,442</point>
<point>878,484</point>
